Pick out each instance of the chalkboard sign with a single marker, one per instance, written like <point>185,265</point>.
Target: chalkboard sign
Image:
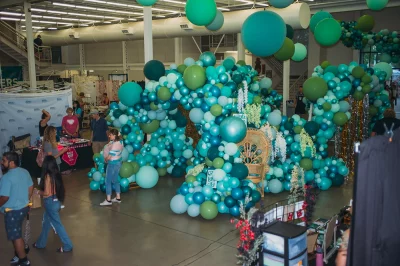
<point>210,179</point>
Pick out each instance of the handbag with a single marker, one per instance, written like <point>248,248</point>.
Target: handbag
<point>36,200</point>
<point>40,157</point>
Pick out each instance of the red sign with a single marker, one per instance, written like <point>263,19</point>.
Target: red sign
<point>70,157</point>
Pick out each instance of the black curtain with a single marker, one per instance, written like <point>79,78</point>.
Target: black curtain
<point>375,231</point>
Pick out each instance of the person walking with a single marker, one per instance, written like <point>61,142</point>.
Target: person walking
<point>300,105</point>
<point>53,192</point>
<point>112,156</point>
<point>16,188</point>
<point>99,128</point>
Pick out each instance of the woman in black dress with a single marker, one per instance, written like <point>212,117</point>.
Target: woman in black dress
<point>43,122</point>
<point>300,105</point>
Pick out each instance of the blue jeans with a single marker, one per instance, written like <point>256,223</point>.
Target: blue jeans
<point>52,217</point>
<point>112,177</point>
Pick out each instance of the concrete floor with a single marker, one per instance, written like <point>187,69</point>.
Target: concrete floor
<point>143,231</point>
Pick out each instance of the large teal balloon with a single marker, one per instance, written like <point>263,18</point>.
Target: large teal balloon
<point>300,52</point>
<point>280,3</point>
<point>146,2</point>
<point>377,5</point>
<point>385,67</point>
<point>233,129</point>
<point>263,41</point>
<point>147,177</point>
<point>328,32</point>
<point>275,186</point>
<point>317,18</point>
<point>217,23</point>
<point>129,93</point>
<point>208,59</point>
<point>154,70</point>
<point>201,12</point>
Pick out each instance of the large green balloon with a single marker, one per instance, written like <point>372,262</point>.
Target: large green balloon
<point>126,170</point>
<point>377,5</point>
<point>233,129</point>
<point>129,93</point>
<point>300,52</point>
<point>265,40</point>
<point>217,23</point>
<point>194,77</point>
<point>146,2</point>
<point>280,3</point>
<point>317,18</point>
<point>385,67</point>
<point>306,164</point>
<point>154,70</point>
<point>328,32</point>
<point>208,210</point>
<point>286,51</point>
<point>340,119</point>
<point>365,23</point>
<point>150,127</point>
<point>164,94</point>
<point>315,88</point>
<point>201,12</point>
<point>358,72</point>
<point>358,95</point>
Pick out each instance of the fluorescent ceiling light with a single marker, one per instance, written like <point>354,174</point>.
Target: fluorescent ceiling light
<point>223,9</point>
<point>165,10</point>
<point>34,27</point>
<point>56,12</point>
<point>77,14</point>
<point>51,22</point>
<point>134,6</point>
<point>175,2</point>
<point>116,4</point>
<point>114,18</point>
<point>95,16</point>
<point>61,4</point>
<point>23,26</point>
<point>11,14</point>
<point>57,18</point>
<point>96,1</point>
<point>64,23</point>
<point>84,25</point>
<point>51,28</point>
<point>86,7</point>
<point>104,9</point>
<point>13,19</point>
<point>261,4</point>
<point>107,22</point>
<point>38,10</point>
<point>160,16</point>
<point>36,16</point>
<point>132,19</point>
<point>73,19</point>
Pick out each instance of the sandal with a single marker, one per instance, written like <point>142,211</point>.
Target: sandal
<point>61,250</point>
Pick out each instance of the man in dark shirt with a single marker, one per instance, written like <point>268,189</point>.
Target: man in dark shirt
<point>388,122</point>
<point>38,41</point>
<point>99,128</point>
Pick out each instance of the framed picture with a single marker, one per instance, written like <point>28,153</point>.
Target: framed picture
<point>210,179</point>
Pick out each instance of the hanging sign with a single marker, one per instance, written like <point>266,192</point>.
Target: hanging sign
<point>10,75</point>
<point>70,157</point>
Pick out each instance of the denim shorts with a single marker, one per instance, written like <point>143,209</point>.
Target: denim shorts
<point>13,221</point>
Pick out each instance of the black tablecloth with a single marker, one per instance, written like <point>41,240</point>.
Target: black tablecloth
<point>85,155</point>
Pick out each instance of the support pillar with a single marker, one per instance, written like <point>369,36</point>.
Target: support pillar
<point>240,48</point>
<point>148,34</point>
<point>286,84</point>
<point>82,60</point>
<point>178,50</point>
<point>30,47</point>
<point>124,58</point>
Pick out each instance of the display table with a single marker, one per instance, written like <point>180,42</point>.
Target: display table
<point>79,156</point>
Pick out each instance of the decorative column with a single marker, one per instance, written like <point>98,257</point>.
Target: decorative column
<point>82,61</point>
<point>240,48</point>
<point>148,34</point>
<point>286,84</point>
<point>178,50</point>
<point>30,47</point>
<point>124,58</point>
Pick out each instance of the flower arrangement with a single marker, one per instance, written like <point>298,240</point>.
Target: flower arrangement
<point>240,101</point>
<point>297,183</point>
<point>245,92</point>
<point>253,112</point>
<point>250,227</point>
<point>280,146</point>
<point>306,142</point>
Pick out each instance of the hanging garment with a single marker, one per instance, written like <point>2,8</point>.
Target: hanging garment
<point>375,236</point>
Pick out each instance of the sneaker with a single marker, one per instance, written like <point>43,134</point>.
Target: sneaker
<point>106,203</point>
<point>25,263</point>
<point>115,200</point>
<point>15,259</point>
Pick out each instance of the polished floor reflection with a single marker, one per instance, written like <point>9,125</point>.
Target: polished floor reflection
<point>142,230</point>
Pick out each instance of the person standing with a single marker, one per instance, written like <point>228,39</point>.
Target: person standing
<point>70,124</point>
<point>38,42</point>
<point>53,192</point>
<point>81,101</point>
<point>112,156</point>
<point>43,122</point>
<point>78,112</point>
<point>300,105</point>
<point>16,188</point>
<point>106,100</point>
<point>99,128</point>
